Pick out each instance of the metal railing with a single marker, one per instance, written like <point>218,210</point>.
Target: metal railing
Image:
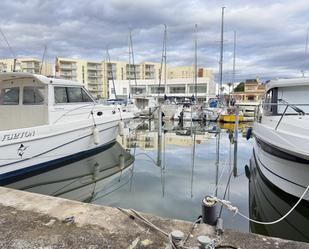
<point>294,107</point>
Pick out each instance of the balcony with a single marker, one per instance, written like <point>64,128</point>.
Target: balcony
<point>94,75</point>
<point>67,74</point>
<point>94,68</point>
<point>68,66</point>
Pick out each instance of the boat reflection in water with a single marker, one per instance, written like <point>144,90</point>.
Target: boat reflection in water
<point>269,203</point>
<point>83,179</point>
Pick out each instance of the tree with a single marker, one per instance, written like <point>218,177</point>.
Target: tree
<point>240,87</point>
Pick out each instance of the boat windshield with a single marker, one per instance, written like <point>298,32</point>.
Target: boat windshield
<point>71,95</point>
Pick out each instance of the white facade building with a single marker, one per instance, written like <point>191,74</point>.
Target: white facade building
<point>177,88</point>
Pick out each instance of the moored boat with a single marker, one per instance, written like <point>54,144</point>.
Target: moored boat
<point>46,120</point>
<point>281,133</point>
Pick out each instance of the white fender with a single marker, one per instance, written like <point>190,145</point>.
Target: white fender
<point>121,162</point>
<point>96,135</point>
<point>121,128</point>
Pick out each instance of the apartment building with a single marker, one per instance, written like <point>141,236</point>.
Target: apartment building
<point>29,65</point>
<point>89,73</point>
<point>98,77</point>
<point>188,72</point>
<point>174,88</point>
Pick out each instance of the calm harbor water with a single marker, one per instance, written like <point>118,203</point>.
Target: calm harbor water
<point>172,173</point>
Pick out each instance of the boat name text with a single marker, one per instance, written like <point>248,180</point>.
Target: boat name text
<point>18,135</point>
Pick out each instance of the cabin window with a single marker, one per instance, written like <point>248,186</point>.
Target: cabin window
<point>71,95</point>
<point>61,95</point>
<point>33,95</point>
<point>9,96</point>
<point>270,103</point>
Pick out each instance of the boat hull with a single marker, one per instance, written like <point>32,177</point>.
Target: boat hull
<point>46,146</point>
<point>82,179</point>
<point>227,118</point>
<point>268,203</point>
<point>289,176</point>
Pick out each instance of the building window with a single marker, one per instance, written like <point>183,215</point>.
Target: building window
<point>177,89</point>
<point>199,88</point>
<point>250,98</point>
<point>138,90</point>
<point>113,90</point>
<point>124,90</point>
<point>157,89</point>
<point>33,95</point>
<point>9,96</point>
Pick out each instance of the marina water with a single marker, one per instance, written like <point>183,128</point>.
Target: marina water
<point>172,173</point>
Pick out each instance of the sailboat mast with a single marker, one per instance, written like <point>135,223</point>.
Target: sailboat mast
<point>163,61</point>
<point>221,55</point>
<point>132,51</point>
<point>234,57</point>
<point>195,62</point>
<point>129,69</point>
<point>306,50</point>
<point>164,46</point>
<point>109,62</point>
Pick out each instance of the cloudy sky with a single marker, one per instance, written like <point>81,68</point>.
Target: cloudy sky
<point>271,35</point>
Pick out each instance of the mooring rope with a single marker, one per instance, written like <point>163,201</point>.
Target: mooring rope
<point>235,209</point>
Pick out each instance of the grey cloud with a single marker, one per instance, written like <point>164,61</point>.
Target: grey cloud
<point>271,36</point>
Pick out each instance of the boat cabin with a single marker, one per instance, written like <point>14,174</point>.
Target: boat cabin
<point>287,96</point>
<point>28,100</point>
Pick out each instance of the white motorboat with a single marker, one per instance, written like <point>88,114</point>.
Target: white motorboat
<point>281,133</point>
<point>187,113</point>
<point>84,180</point>
<point>44,121</point>
<point>210,111</point>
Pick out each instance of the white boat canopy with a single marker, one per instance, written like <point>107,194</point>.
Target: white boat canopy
<point>40,78</point>
<point>287,83</point>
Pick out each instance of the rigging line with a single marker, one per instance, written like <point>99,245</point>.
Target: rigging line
<point>43,57</point>
<point>132,51</point>
<point>8,44</point>
<point>226,188</point>
<point>109,61</point>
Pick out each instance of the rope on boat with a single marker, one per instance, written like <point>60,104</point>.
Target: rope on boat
<point>235,209</point>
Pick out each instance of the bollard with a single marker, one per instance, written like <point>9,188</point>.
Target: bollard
<point>176,236</point>
<point>219,226</point>
<point>209,211</point>
<point>205,242</point>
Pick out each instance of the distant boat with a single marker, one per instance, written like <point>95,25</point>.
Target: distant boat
<point>281,134</point>
<point>210,111</point>
<point>45,121</point>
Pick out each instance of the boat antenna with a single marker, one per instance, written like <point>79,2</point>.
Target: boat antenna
<point>10,48</point>
<point>163,60</point>
<point>195,62</point>
<point>109,61</point>
<point>221,56</point>
<point>43,57</point>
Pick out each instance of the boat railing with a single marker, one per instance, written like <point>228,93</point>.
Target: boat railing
<point>282,102</point>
